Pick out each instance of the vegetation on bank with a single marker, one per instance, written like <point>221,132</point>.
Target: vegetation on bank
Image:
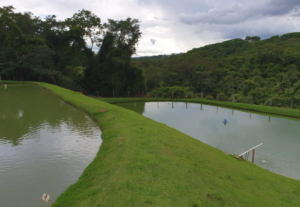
<point>143,162</point>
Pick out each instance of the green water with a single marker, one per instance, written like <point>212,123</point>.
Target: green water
<point>280,152</point>
<point>45,144</point>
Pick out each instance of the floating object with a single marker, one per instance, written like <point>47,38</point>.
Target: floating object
<point>225,121</point>
<point>46,197</point>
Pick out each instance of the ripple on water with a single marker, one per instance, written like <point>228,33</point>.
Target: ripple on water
<point>44,146</point>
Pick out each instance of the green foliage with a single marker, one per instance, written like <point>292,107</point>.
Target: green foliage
<point>221,97</point>
<point>209,97</point>
<point>60,52</point>
<point>252,68</point>
<point>87,21</point>
<point>258,95</point>
<point>174,91</point>
<point>111,71</point>
<point>280,101</point>
<point>249,85</point>
<point>252,39</point>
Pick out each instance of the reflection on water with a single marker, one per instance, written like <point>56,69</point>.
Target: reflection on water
<point>45,145</point>
<point>280,136</point>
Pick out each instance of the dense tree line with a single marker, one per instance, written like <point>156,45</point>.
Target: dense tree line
<point>253,70</point>
<point>49,50</point>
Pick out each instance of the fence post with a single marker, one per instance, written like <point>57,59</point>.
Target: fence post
<point>201,95</point>
<point>270,101</point>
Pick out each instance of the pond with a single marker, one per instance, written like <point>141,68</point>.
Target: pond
<point>280,136</point>
<point>45,144</point>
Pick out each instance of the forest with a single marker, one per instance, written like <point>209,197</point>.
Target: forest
<point>247,70</point>
<point>83,54</point>
<point>61,52</point>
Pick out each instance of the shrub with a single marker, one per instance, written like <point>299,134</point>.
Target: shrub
<point>166,92</point>
<point>238,97</point>
<point>209,97</point>
<point>222,97</point>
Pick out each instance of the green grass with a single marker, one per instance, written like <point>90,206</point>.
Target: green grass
<point>247,107</point>
<point>145,163</point>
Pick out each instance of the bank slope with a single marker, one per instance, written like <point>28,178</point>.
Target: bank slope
<point>143,162</point>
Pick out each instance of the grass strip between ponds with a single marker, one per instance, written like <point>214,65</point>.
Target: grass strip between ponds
<point>248,107</point>
<point>145,163</point>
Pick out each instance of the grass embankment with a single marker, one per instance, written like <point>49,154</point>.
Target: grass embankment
<point>248,107</point>
<point>145,163</point>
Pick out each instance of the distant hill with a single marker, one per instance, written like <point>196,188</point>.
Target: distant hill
<point>253,70</point>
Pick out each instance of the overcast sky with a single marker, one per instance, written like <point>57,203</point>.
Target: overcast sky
<point>170,26</point>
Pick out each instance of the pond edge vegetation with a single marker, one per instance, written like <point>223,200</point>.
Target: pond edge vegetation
<point>143,162</point>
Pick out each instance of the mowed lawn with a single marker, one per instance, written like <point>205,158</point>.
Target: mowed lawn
<point>145,163</point>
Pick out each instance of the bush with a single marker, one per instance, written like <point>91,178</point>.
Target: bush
<point>166,92</point>
<point>240,98</point>
<point>282,102</point>
<point>222,97</point>
<point>209,97</point>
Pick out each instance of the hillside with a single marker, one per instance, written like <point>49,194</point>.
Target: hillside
<point>253,70</point>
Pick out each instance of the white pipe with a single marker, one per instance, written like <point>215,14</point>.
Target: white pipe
<point>250,149</point>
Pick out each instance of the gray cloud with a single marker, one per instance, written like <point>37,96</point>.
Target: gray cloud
<point>234,11</point>
<point>153,41</point>
<point>264,28</point>
<point>180,6</point>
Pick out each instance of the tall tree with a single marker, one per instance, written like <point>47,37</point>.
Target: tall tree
<point>89,22</point>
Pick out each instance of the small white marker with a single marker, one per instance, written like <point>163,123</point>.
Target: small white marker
<point>45,197</point>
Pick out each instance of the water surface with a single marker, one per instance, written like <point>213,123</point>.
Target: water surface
<point>280,136</point>
<point>45,144</point>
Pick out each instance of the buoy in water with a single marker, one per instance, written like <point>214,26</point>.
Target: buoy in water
<point>225,121</point>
